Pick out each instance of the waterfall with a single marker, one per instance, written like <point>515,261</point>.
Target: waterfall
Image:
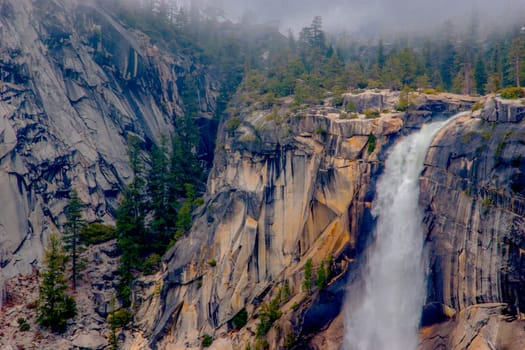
<point>383,308</point>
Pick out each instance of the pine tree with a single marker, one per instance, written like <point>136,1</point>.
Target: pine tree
<point>184,162</point>
<point>73,228</point>
<point>381,55</point>
<point>131,230</point>
<point>55,307</point>
<point>163,218</point>
<point>308,276</point>
<point>517,54</point>
<point>321,276</point>
<point>480,76</point>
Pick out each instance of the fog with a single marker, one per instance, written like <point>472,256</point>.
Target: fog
<point>377,17</point>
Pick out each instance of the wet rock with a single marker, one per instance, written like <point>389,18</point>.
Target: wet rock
<point>474,209</point>
<point>271,204</point>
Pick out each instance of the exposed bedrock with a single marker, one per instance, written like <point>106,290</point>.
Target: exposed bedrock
<point>74,83</point>
<point>285,187</point>
<point>473,194</point>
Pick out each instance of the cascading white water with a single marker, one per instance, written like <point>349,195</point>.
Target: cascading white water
<point>384,307</point>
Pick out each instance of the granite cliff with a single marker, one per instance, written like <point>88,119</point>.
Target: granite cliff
<point>472,191</point>
<point>287,186</point>
<point>74,83</point>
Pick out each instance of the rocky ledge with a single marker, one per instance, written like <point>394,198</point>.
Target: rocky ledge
<point>287,186</point>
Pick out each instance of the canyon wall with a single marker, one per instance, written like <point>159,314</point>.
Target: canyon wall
<point>287,186</point>
<point>473,194</point>
<point>74,84</point>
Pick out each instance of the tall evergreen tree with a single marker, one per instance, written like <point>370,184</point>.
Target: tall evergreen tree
<point>131,230</point>
<point>306,285</point>
<point>480,76</point>
<point>54,307</point>
<point>73,228</point>
<point>163,212</point>
<point>517,56</point>
<point>381,55</point>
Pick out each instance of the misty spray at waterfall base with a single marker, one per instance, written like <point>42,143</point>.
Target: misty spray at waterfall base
<point>384,306</point>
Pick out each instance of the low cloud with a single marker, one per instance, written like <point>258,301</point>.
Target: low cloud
<point>377,17</point>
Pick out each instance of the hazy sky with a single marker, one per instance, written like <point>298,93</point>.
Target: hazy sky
<point>385,15</point>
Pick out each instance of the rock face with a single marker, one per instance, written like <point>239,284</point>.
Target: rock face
<point>74,83</point>
<point>478,327</point>
<point>286,186</point>
<point>473,192</point>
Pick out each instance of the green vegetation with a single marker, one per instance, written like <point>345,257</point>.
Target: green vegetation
<point>321,132</point>
<point>512,93</point>
<point>285,292</point>
<point>477,106</point>
<point>72,233</point>
<point>54,306</point>
<point>404,100</point>
<point>166,195</point>
<point>240,319</point>
<point>350,106</point>
<point>308,276</point>
<point>371,114</point>
<point>321,276</point>
<point>212,262</point>
<point>96,233</point>
<point>23,326</point>
<point>232,124</point>
<point>289,341</point>
<point>119,318</point>
<point>371,144</point>
<point>152,264</point>
<point>262,344</point>
<point>158,204</point>
<point>338,101</point>
<point>268,314</point>
<point>207,340</point>
<point>487,203</point>
<point>315,65</point>
<point>113,325</point>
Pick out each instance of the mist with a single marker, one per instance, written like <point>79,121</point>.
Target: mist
<point>378,17</point>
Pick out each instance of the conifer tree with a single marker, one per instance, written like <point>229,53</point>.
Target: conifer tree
<point>55,307</point>
<point>321,276</point>
<point>308,276</point>
<point>163,215</point>
<point>517,54</point>
<point>131,231</point>
<point>73,228</point>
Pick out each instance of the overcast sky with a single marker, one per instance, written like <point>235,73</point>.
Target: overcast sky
<point>385,15</point>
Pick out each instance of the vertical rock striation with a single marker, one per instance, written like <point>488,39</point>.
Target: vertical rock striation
<point>473,194</point>
<point>286,186</point>
<point>74,83</point>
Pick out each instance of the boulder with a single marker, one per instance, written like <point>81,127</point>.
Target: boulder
<point>90,341</point>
